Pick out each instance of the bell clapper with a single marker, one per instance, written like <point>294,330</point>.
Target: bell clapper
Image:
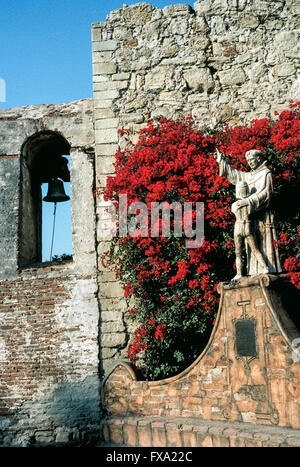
<point>54,217</point>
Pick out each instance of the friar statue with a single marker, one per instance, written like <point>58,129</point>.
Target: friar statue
<point>260,186</point>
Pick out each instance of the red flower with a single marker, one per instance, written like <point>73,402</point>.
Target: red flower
<point>229,244</point>
<point>129,290</point>
<point>193,284</point>
<point>151,321</point>
<point>133,311</point>
<point>291,264</point>
<point>160,331</point>
<point>182,271</point>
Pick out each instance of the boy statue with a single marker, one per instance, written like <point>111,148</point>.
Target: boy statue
<point>243,231</point>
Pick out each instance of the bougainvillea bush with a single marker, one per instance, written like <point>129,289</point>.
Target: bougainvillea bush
<point>172,289</point>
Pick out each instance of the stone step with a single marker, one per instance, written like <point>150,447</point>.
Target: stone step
<point>192,432</point>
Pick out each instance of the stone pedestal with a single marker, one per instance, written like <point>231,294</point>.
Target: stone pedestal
<point>246,373</point>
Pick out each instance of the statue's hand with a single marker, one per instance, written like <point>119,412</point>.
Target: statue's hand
<point>241,203</point>
<point>218,156</point>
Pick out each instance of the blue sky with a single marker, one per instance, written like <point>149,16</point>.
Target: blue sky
<point>45,58</point>
<point>45,48</point>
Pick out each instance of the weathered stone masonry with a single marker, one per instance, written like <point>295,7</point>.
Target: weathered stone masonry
<point>224,61</point>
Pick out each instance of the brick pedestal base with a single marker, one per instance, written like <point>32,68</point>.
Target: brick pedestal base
<point>247,374</point>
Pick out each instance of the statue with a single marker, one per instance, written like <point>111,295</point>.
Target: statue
<point>254,219</point>
<point>244,230</point>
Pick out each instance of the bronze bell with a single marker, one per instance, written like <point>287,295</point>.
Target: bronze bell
<point>56,192</point>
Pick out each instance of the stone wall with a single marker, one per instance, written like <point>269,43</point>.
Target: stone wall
<point>9,181</point>
<point>224,61</point>
<point>49,314</point>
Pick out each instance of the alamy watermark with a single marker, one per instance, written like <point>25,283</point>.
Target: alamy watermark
<point>2,90</point>
<point>138,219</point>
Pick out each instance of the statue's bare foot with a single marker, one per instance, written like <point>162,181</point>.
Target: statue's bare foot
<point>237,277</point>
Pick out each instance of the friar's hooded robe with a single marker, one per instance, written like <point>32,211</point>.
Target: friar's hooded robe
<point>260,188</point>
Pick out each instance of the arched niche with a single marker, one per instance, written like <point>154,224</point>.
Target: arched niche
<point>41,160</point>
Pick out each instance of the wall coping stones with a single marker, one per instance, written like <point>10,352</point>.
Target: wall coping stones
<point>220,434</point>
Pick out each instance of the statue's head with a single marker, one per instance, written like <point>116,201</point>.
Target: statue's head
<point>253,158</point>
<point>241,190</point>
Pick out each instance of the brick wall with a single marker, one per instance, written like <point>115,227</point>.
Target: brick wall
<point>49,382</point>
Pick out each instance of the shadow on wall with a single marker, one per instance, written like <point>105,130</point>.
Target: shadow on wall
<point>70,416</point>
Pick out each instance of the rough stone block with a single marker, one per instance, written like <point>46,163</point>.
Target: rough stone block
<point>173,434</point>
<point>103,113</point>
<point>103,150</point>
<point>106,123</point>
<point>248,21</point>
<point>210,7</point>
<point>189,439</point>
<point>105,433</point>
<point>106,95</point>
<point>112,326</point>
<point>101,78</point>
<point>121,77</point>
<point>116,434</point>
<point>155,79</point>
<point>102,104</point>
<point>108,352</point>
<point>104,164</point>
<point>130,435</point>
<point>111,290</point>
<point>284,69</point>
<point>181,9</point>
<point>137,15</point>
<point>144,434</point>
<point>106,136</point>
<point>159,434</point>
<point>62,435</point>
<point>105,45</point>
<point>171,97</point>
<point>114,307</point>
<point>207,442</point>
<point>232,77</point>
<point>96,34</point>
<point>44,437</point>
<point>104,68</point>
<point>131,118</point>
<point>199,79</point>
<point>113,340</point>
<point>110,85</point>
<point>102,57</point>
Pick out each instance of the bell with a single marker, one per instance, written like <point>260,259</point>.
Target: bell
<point>56,192</point>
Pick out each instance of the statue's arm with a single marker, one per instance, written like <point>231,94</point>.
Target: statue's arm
<point>261,199</point>
<point>225,169</point>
